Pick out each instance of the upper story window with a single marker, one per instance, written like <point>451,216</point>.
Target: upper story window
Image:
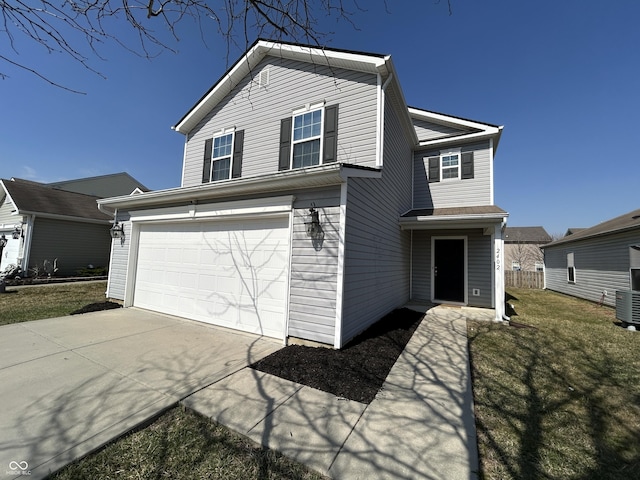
<point>449,165</point>
<point>221,160</point>
<point>309,137</point>
<point>223,156</point>
<point>307,133</point>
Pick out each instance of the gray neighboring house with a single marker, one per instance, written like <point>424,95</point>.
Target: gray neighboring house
<point>59,221</point>
<point>522,248</point>
<point>314,201</point>
<point>593,260</point>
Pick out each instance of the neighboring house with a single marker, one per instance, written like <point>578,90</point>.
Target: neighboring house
<point>602,258</point>
<point>313,201</point>
<point>58,221</point>
<point>522,248</point>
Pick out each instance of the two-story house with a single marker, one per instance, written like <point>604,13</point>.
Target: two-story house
<point>313,201</point>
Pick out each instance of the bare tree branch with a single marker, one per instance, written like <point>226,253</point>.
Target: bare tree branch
<point>80,28</point>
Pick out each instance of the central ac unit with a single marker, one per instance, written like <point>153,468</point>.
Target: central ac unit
<point>628,306</point>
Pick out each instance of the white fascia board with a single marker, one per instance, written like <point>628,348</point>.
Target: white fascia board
<point>245,208</point>
<point>493,132</point>
<point>325,175</point>
<point>449,120</point>
<point>450,221</point>
<point>67,218</point>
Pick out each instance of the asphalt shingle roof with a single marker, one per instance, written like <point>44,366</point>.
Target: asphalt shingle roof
<point>623,222</point>
<point>38,198</point>
<point>526,235</point>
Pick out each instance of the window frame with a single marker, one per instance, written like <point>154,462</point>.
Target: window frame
<point>571,268</point>
<point>450,153</point>
<point>307,109</point>
<point>224,133</point>
<point>515,266</point>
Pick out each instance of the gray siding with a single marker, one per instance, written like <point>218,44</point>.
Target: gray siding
<point>258,111</point>
<point>479,265</point>
<point>431,131</point>
<point>118,262</point>
<point>74,244</point>
<point>314,268</point>
<point>377,252</point>
<point>6,218</point>
<point>601,263</point>
<point>453,193</point>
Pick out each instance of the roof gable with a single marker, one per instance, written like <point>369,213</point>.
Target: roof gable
<point>111,185</point>
<point>34,198</point>
<point>438,129</point>
<point>627,221</point>
<point>349,60</point>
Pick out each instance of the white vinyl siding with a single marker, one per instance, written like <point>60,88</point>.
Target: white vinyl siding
<point>453,193</point>
<point>601,263</point>
<point>479,265</point>
<point>314,268</point>
<point>292,85</point>
<point>119,260</point>
<point>376,269</point>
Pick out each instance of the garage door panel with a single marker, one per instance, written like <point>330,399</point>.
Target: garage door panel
<point>230,273</point>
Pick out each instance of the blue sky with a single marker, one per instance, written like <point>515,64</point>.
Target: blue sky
<point>561,76</point>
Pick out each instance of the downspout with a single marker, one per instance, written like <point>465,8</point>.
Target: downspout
<point>381,113</point>
<point>504,290</point>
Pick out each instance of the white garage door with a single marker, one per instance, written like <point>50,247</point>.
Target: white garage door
<point>229,273</point>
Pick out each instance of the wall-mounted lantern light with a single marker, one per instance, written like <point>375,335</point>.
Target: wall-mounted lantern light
<point>17,231</point>
<point>313,225</point>
<point>3,242</point>
<point>117,231</point>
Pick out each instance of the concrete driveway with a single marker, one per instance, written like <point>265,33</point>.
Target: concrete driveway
<point>68,385</point>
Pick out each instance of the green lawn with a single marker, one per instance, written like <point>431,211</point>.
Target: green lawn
<point>560,400</point>
<point>48,301</point>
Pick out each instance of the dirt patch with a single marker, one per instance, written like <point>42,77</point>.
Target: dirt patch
<point>356,372</point>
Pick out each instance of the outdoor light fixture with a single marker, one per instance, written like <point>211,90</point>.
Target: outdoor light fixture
<point>3,242</point>
<point>17,231</point>
<point>314,230</point>
<point>117,231</point>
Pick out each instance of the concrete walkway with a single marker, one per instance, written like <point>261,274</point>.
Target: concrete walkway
<point>71,384</point>
<point>421,425</point>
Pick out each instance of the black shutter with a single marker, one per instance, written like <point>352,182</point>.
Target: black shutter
<point>434,169</point>
<point>206,167</point>
<point>467,165</point>
<point>285,144</point>
<point>330,147</point>
<point>238,145</point>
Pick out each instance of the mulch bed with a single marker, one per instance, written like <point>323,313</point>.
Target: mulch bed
<point>96,307</point>
<point>355,372</point>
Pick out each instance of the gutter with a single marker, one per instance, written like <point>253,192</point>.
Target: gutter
<point>325,175</point>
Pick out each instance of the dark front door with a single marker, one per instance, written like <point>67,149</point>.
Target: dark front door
<point>448,270</point>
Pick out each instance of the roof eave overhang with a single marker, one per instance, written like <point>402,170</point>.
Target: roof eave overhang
<point>451,221</point>
<point>315,177</point>
<point>318,56</point>
<point>68,218</point>
<point>489,133</point>
<point>563,242</point>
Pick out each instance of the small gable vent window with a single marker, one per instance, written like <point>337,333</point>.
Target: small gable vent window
<point>223,157</point>
<point>263,77</point>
